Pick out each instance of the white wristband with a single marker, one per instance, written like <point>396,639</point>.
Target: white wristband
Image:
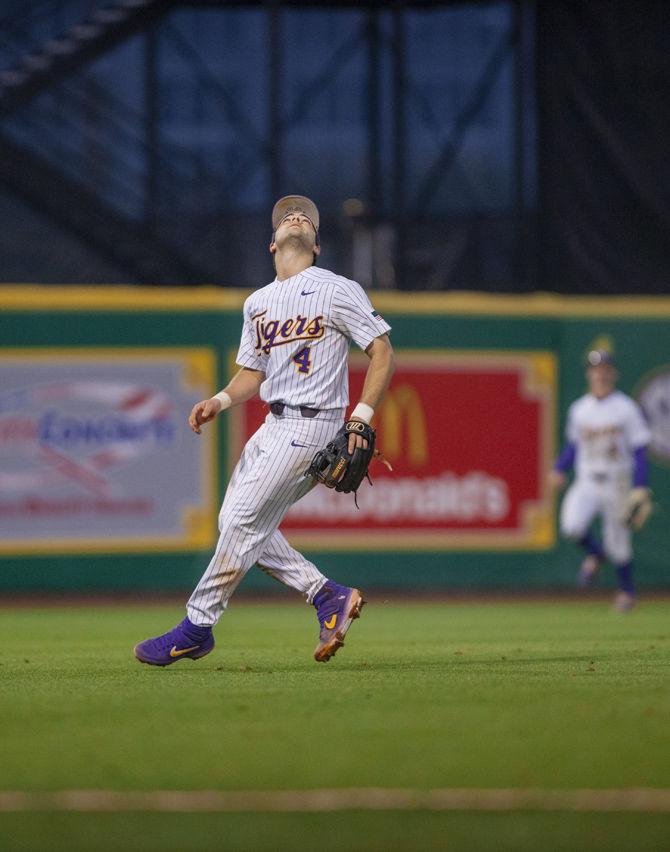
<point>224,399</point>
<point>363,412</point>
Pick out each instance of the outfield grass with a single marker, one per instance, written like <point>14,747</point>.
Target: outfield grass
<point>493,695</point>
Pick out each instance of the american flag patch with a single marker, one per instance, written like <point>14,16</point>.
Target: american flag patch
<point>377,316</point>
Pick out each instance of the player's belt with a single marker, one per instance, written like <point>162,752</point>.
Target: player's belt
<point>600,477</point>
<point>277,408</point>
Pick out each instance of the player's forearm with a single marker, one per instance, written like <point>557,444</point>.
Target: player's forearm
<point>378,377</point>
<point>566,460</point>
<point>640,468</point>
<point>244,385</point>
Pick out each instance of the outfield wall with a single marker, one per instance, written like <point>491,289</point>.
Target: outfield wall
<point>103,486</point>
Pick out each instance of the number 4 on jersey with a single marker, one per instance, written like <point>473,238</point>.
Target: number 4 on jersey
<point>303,360</point>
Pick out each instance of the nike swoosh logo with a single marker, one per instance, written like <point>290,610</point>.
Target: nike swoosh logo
<point>175,653</point>
<point>302,293</point>
<point>296,444</point>
<point>332,621</point>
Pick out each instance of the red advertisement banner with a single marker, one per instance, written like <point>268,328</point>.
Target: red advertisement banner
<point>470,436</point>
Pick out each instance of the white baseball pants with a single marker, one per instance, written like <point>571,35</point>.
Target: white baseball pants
<point>587,499</point>
<point>268,479</point>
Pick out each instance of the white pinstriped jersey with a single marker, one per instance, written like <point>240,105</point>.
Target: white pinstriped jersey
<point>606,433</point>
<point>298,331</point>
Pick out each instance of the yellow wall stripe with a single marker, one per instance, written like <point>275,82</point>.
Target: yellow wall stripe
<point>28,297</point>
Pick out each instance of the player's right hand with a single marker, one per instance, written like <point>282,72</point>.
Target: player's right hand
<point>557,480</point>
<point>203,412</point>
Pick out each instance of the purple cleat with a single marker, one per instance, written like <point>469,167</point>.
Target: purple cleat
<point>336,607</point>
<point>588,570</point>
<point>624,601</point>
<point>184,640</point>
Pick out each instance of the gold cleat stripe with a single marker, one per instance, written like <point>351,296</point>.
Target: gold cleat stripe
<point>175,653</point>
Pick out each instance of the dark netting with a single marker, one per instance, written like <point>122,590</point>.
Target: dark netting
<point>604,126</point>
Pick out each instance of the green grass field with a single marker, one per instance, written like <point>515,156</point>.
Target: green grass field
<point>499,695</point>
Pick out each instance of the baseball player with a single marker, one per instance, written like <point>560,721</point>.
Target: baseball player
<point>606,440</point>
<point>293,352</point>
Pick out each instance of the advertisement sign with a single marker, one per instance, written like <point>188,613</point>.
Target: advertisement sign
<point>470,436</point>
<point>96,453</point>
<point>653,395</point>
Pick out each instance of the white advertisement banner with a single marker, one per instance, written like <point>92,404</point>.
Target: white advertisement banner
<point>96,454</point>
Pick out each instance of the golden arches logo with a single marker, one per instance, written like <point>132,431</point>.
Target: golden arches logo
<point>403,405</point>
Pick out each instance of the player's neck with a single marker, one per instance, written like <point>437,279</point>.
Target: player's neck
<point>289,262</point>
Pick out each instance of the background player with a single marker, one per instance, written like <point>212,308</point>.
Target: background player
<point>294,352</point>
<point>606,439</point>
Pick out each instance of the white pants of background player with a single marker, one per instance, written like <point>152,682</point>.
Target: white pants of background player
<point>268,479</point>
<point>587,499</point>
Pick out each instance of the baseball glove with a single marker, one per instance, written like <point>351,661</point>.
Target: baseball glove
<point>637,508</point>
<point>335,467</point>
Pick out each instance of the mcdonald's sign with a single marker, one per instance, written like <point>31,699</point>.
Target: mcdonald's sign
<point>470,435</point>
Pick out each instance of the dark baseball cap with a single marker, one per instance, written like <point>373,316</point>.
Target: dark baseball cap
<point>599,356</point>
<point>295,204</point>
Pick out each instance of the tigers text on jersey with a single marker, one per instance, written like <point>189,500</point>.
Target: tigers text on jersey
<point>297,332</point>
<point>606,432</point>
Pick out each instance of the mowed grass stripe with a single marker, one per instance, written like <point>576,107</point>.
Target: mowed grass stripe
<point>320,801</point>
<point>542,696</point>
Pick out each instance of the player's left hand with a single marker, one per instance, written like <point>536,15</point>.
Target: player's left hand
<point>336,466</point>
<point>638,508</point>
<point>356,440</point>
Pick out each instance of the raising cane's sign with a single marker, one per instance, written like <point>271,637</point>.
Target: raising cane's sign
<point>470,436</point>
